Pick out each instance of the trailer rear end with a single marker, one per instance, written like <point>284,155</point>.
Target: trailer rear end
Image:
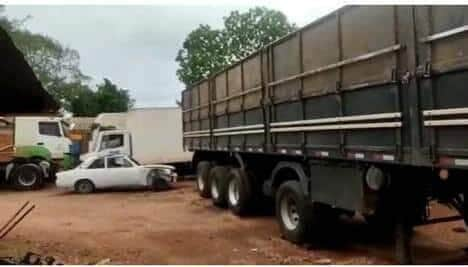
<point>362,111</point>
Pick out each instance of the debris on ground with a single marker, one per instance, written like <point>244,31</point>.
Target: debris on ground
<point>30,258</point>
<point>16,219</point>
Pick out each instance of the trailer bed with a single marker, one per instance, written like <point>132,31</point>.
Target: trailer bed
<point>364,83</point>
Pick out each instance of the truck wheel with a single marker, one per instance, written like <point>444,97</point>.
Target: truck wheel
<point>27,177</point>
<point>292,213</point>
<point>218,186</point>
<point>239,192</point>
<point>203,179</point>
<point>84,187</point>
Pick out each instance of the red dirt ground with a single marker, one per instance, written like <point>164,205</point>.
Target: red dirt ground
<point>177,227</point>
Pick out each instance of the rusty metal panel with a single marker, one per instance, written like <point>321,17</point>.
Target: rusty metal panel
<point>204,93</point>
<point>195,97</point>
<point>286,58</point>
<point>445,18</point>
<point>450,52</point>
<point>365,30</point>
<point>374,70</point>
<point>320,48</point>
<point>220,83</point>
<point>204,112</point>
<point>187,116</point>
<point>195,114</point>
<point>186,99</point>
<point>252,75</point>
<point>253,100</point>
<point>234,80</point>
<point>234,88</point>
<point>220,92</point>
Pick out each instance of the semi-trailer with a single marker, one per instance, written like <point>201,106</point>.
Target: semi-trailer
<point>363,111</point>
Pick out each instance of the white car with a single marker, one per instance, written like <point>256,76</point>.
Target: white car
<point>115,171</point>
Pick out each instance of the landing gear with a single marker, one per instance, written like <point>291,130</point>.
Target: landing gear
<point>403,236</point>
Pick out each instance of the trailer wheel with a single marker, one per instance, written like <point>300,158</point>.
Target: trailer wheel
<point>84,187</point>
<point>239,192</point>
<point>292,212</point>
<point>219,185</point>
<point>27,177</point>
<point>203,179</point>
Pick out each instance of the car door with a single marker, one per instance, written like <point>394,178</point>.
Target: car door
<point>121,172</point>
<point>96,173</point>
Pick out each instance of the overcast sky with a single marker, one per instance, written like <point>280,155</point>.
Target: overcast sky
<point>135,46</point>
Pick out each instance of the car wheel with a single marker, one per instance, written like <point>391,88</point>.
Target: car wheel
<point>27,177</point>
<point>160,184</point>
<point>203,179</point>
<point>84,187</point>
<point>218,187</point>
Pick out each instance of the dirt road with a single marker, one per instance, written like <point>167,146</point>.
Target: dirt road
<point>177,227</point>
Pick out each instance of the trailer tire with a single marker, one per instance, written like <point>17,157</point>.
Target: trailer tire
<point>239,193</point>
<point>292,212</point>
<point>27,177</point>
<point>203,179</point>
<point>219,185</point>
<point>84,186</point>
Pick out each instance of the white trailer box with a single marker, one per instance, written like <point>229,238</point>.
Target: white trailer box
<point>157,135</point>
<point>149,135</point>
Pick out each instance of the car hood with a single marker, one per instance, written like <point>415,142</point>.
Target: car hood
<point>161,166</point>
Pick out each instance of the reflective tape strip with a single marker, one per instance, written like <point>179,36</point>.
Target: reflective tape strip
<point>239,132</point>
<point>436,123</point>
<point>448,111</point>
<point>255,126</point>
<point>338,127</point>
<point>445,34</point>
<point>196,135</point>
<point>377,116</point>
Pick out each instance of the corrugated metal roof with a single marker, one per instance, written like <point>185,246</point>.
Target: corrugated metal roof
<point>20,90</point>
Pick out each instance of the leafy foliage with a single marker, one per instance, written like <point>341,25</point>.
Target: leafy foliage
<point>57,67</point>
<point>207,50</point>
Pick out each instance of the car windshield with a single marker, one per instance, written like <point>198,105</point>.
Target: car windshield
<point>134,161</point>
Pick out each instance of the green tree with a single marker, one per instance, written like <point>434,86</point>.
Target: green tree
<point>207,50</point>
<point>204,51</point>
<point>57,67</point>
<point>110,98</point>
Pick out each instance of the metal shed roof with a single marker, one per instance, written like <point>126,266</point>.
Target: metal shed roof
<point>20,90</point>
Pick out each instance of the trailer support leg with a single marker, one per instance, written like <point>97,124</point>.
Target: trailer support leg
<point>403,236</point>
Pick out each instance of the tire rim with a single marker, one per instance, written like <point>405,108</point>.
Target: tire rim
<point>201,184</point>
<point>289,214</point>
<point>84,187</point>
<point>27,180</point>
<point>234,193</point>
<point>214,189</point>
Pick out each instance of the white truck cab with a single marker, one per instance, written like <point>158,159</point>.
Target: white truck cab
<point>109,142</point>
<point>49,132</point>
